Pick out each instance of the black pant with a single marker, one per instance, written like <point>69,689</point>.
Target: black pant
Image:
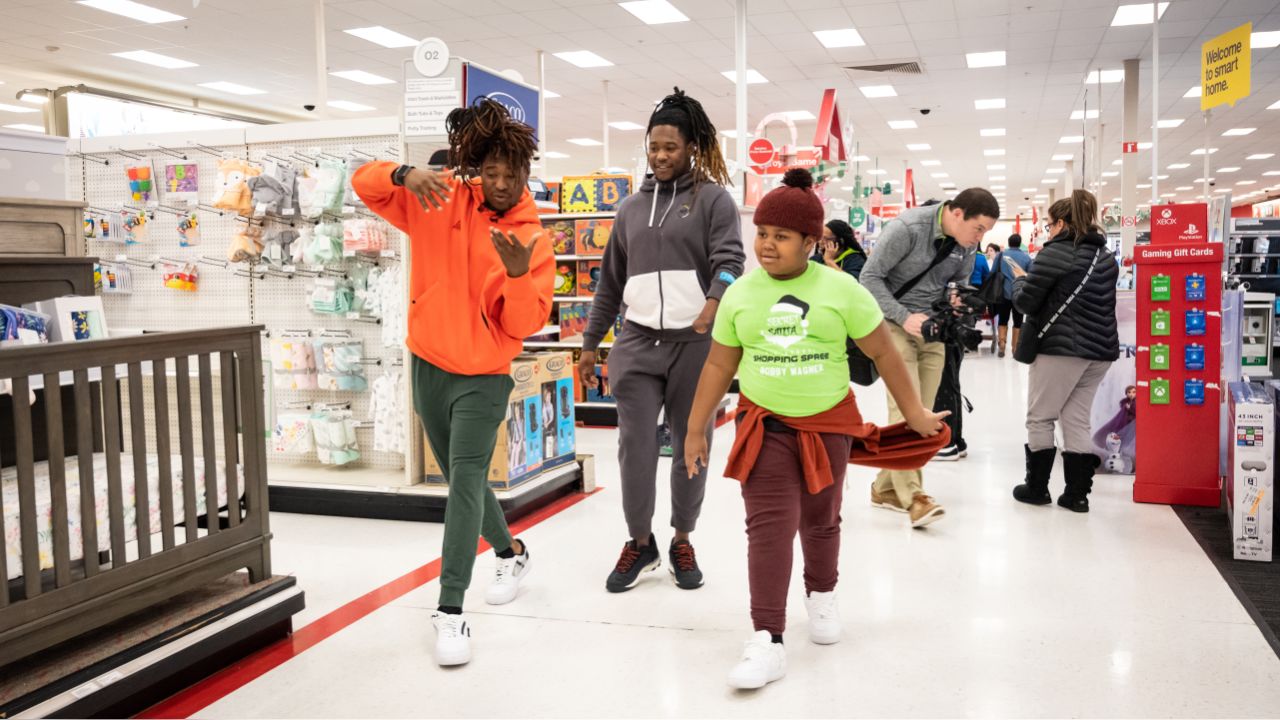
<point>949,397</point>
<point>1004,311</point>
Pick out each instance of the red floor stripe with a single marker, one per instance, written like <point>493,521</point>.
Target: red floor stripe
<point>223,683</point>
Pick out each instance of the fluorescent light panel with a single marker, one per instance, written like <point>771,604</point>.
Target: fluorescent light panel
<point>628,125</point>
<point>993,152</point>
<point>1179,166</point>
<point>1139,14</point>
<point>26,126</point>
<point>1108,77</point>
<point>992,132</point>
<point>349,106</point>
<point>1261,156</point>
<point>878,171</point>
<point>1071,139</point>
<point>552,154</point>
<point>1062,157</point>
<point>586,142</point>
<point>1170,123</point>
<point>878,91</point>
<point>753,77</point>
<point>995,58</point>
<point>385,37</point>
<point>919,147</point>
<point>1080,115</point>
<point>997,178</point>
<point>847,37</point>
<point>583,59</point>
<point>995,167</point>
<point>800,115</point>
<point>136,11</point>
<point>1200,151</point>
<point>903,124</point>
<point>156,59</point>
<point>362,77</point>
<point>654,12</point>
<point>17,109</point>
<point>233,88</point>
<point>1194,92</point>
<point>1268,39</point>
<point>930,163</point>
<point>34,99</point>
<point>989,104</point>
<point>1238,132</point>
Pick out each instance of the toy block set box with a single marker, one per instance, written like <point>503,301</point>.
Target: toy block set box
<point>593,236</point>
<point>563,235</point>
<point>566,278</point>
<point>588,277</point>
<point>573,319</point>
<point>593,193</point>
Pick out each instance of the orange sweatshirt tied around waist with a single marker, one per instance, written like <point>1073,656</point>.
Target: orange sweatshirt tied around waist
<point>896,447</point>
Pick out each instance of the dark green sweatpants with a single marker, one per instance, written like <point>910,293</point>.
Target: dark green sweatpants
<point>462,415</point>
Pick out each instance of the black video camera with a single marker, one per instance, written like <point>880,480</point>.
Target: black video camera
<point>956,323</point>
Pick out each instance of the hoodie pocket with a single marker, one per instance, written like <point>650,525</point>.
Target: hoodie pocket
<point>643,299</point>
<point>682,298</point>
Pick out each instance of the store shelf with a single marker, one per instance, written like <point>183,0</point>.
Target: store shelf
<point>579,257</point>
<point>563,344</point>
<point>568,299</point>
<point>577,216</point>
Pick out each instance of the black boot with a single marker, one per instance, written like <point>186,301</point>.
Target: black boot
<point>1035,490</point>
<point>1078,467</point>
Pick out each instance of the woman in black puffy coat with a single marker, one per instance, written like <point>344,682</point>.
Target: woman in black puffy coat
<point>1070,340</point>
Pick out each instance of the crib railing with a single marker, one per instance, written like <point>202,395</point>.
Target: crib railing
<point>205,386</point>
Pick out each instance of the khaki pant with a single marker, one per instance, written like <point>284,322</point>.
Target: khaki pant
<point>924,364</point>
<point>1061,391</point>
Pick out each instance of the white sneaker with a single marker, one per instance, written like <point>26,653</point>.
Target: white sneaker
<point>763,661</point>
<point>453,639</point>
<point>824,618</point>
<point>506,579</point>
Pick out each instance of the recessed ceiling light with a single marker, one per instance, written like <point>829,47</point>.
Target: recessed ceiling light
<point>583,59</point>
<point>1056,171</point>
<point>877,171</point>
<point>903,124</point>
<point>1184,188</point>
<point>1200,151</point>
<point>233,88</point>
<point>753,77</point>
<point>1228,169</point>
<point>939,175</point>
<point>385,37</point>
<point>349,106</point>
<point>1029,189</point>
<point>26,126</point>
<point>800,115</point>
<point>1049,181</point>
<point>362,77</point>
<point>1271,173</point>
<point>995,167</point>
<point>993,152</point>
<point>585,142</point>
<point>1039,197</point>
<point>1063,156</point>
<point>1200,180</point>
<point>848,37</point>
<point>1108,76</point>
<point>919,147</point>
<point>34,98</point>
<point>1080,115</point>
<point>1223,190</point>
<point>554,155</point>
<point>626,125</point>
<point>1170,123</point>
<point>996,187</point>
<point>991,132</point>
<point>156,59</point>
<point>1194,92</point>
<point>989,104</point>
<point>1144,186</point>
<point>997,177</point>
<point>1144,146</point>
<point>946,185</point>
<point>137,11</point>
<point>1237,132</point>
<point>985,59</point>
<point>1168,195</point>
<point>1110,173</point>
<point>1162,177</point>
<point>17,109</point>
<point>1261,156</point>
<point>1071,139</point>
<point>930,163</point>
<point>878,91</point>
<point>1117,162</point>
<point>1247,182</point>
<point>1268,39</point>
<point>654,12</point>
<point>1136,14</point>
<point>1179,166</point>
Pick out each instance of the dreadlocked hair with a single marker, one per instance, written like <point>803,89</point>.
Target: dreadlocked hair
<point>486,130</point>
<point>687,116</point>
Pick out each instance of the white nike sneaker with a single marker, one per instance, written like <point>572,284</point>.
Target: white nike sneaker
<point>824,618</point>
<point>763,661</point>
<point>506,579</point>
<point>453,639</point>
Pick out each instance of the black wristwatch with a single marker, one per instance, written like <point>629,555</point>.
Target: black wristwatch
<point>399,174</point>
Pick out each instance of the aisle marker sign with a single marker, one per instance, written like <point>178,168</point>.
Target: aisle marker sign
<point>1130,147</point>
<point>1225,68</point>
<point>761,151</point>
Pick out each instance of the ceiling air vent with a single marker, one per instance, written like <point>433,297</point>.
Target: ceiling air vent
<point>906,67</point>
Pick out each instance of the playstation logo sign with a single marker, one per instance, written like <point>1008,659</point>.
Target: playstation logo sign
<point>512,105</point>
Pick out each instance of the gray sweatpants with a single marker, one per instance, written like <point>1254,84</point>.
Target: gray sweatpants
<point>1062,390</point>
<point>647,376</point>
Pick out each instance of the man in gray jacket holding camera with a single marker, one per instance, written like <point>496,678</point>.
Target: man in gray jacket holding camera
<point>917,255</point>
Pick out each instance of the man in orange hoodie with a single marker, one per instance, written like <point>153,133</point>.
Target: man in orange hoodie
<point>481,282</point>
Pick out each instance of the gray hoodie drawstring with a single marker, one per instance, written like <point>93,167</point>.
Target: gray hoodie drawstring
<point>653,208</point>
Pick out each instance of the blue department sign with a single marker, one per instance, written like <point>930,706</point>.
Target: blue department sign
<point>520,100</point>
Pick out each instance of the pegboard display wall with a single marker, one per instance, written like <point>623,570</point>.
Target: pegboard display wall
<point>243,293</point>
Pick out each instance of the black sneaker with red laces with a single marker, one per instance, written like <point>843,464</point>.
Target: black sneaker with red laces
<point>684,565</point>
<point>634,562</point>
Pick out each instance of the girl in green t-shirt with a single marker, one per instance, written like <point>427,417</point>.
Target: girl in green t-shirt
<point>781,329</point>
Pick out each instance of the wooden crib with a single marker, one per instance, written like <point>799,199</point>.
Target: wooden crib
<point>154,485</point>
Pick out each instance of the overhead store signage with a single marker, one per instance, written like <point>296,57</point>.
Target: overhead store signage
<point>1130,147</point>
<point>857,216</point>
<point>1184,223</point>
<point>761,151</point>
<point>519,99</point>
<point>1225,68</point>
<point>431,57</point>
<point>427,102</point>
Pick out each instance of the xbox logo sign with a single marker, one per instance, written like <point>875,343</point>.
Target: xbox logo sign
<point>1166,213</point>
<point>512,105</point>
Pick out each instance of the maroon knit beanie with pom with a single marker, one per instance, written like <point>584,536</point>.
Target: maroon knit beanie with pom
<point>793,205</point>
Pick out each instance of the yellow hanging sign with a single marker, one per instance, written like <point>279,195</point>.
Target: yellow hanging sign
<point>1225,67</point>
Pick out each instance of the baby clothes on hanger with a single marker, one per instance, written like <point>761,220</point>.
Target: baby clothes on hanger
<point>279,247</point>
<point>246,244</point>
<point>325,246</point>
<point>367,295</point>
<point>391,304</point>
<point>293,363</point>
<point>293,434</point>
<point>331,180</point>
<point>335,437</point>
<point>331,296</point>
<point>338,364</point>
<point>387,410</point>
<point>363,235</point>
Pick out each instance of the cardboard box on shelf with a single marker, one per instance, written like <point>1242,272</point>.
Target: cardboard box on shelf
<point>593,236</point>
<point>588,277</point>
<point>566,278</point>
<point>1250,486</point>
<point>555,379</point>
<point>593,193</point>
<point>563,236</point>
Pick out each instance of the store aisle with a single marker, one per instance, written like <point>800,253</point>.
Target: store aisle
<point>999,609</point>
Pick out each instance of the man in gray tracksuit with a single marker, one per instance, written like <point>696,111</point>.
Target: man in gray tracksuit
<point>675,247</point>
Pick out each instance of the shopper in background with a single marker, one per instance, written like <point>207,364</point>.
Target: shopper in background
<point>676,247</point>
<point>840,250</point>
<point>782,328</point>
<point>481,282</point>
<point>981,269</point>
<point>1069,297</point>
<point>919,253</point>
<point>1005,310</point>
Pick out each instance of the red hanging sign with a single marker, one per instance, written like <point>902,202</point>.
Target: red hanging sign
<point>761,151</point>
<point>1130,147</point>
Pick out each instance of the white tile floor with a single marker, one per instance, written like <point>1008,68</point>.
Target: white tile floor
<point>1000,609</point>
